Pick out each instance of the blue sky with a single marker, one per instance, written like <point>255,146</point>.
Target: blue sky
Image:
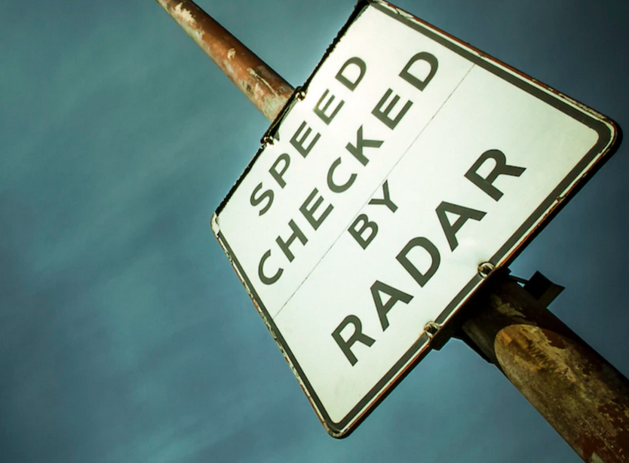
<point>125,335</point>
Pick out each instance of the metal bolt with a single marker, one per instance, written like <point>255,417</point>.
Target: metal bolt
<point>485,268</point>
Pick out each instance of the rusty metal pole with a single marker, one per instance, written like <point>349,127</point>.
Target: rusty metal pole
<point>576,390</point>
<point>261,84</point>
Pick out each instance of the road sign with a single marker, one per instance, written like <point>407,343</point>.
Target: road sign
<point>407,161</point>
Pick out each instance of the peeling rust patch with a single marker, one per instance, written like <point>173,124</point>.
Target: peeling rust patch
<point>506,309</point>
<point>586,446</point>
<point>618,416</point>
<point>257,74</point>
<point>555,339</point>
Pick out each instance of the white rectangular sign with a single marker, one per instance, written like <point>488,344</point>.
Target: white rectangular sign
<point>409,159</point>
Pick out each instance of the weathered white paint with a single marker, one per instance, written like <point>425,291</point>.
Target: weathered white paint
<point>184,14</point>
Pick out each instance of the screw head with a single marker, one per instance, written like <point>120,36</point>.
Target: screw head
<point>485,269</point>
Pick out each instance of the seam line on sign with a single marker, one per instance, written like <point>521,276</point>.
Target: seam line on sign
<point>374,191</point>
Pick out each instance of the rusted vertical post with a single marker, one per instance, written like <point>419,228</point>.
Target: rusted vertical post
<point>261,84</point>
<point>575,389</point>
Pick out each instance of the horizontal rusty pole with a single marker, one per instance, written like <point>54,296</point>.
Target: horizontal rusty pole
<point>261,84</point>
<point>576,390</point>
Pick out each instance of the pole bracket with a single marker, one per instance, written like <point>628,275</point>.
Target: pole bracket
<point>272,134</point>
<point>538,286</point>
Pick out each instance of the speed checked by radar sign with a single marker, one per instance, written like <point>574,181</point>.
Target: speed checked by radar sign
<point>407,159</point>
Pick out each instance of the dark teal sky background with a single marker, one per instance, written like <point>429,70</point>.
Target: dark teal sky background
<point>125,335</point>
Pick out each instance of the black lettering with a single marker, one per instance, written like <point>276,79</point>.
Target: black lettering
<point>285,245</point>
<point>372,227</point>
<point>347,80</point>
<point>321,111</point>
<point>383,115</point>
<point>357,336</point>
<point>464,213</point>
<point>435,260</point>
<point>279,176</point>
<point>256,199</point>
<point>298,143</point>
<point>414,80</point>
<point>333,186</point>
<point>394,294</point>
<point>361,143</point>
<point>501,168</point>
<point>387,198</point>
<point>263,278</point>
<point>309,213</point>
